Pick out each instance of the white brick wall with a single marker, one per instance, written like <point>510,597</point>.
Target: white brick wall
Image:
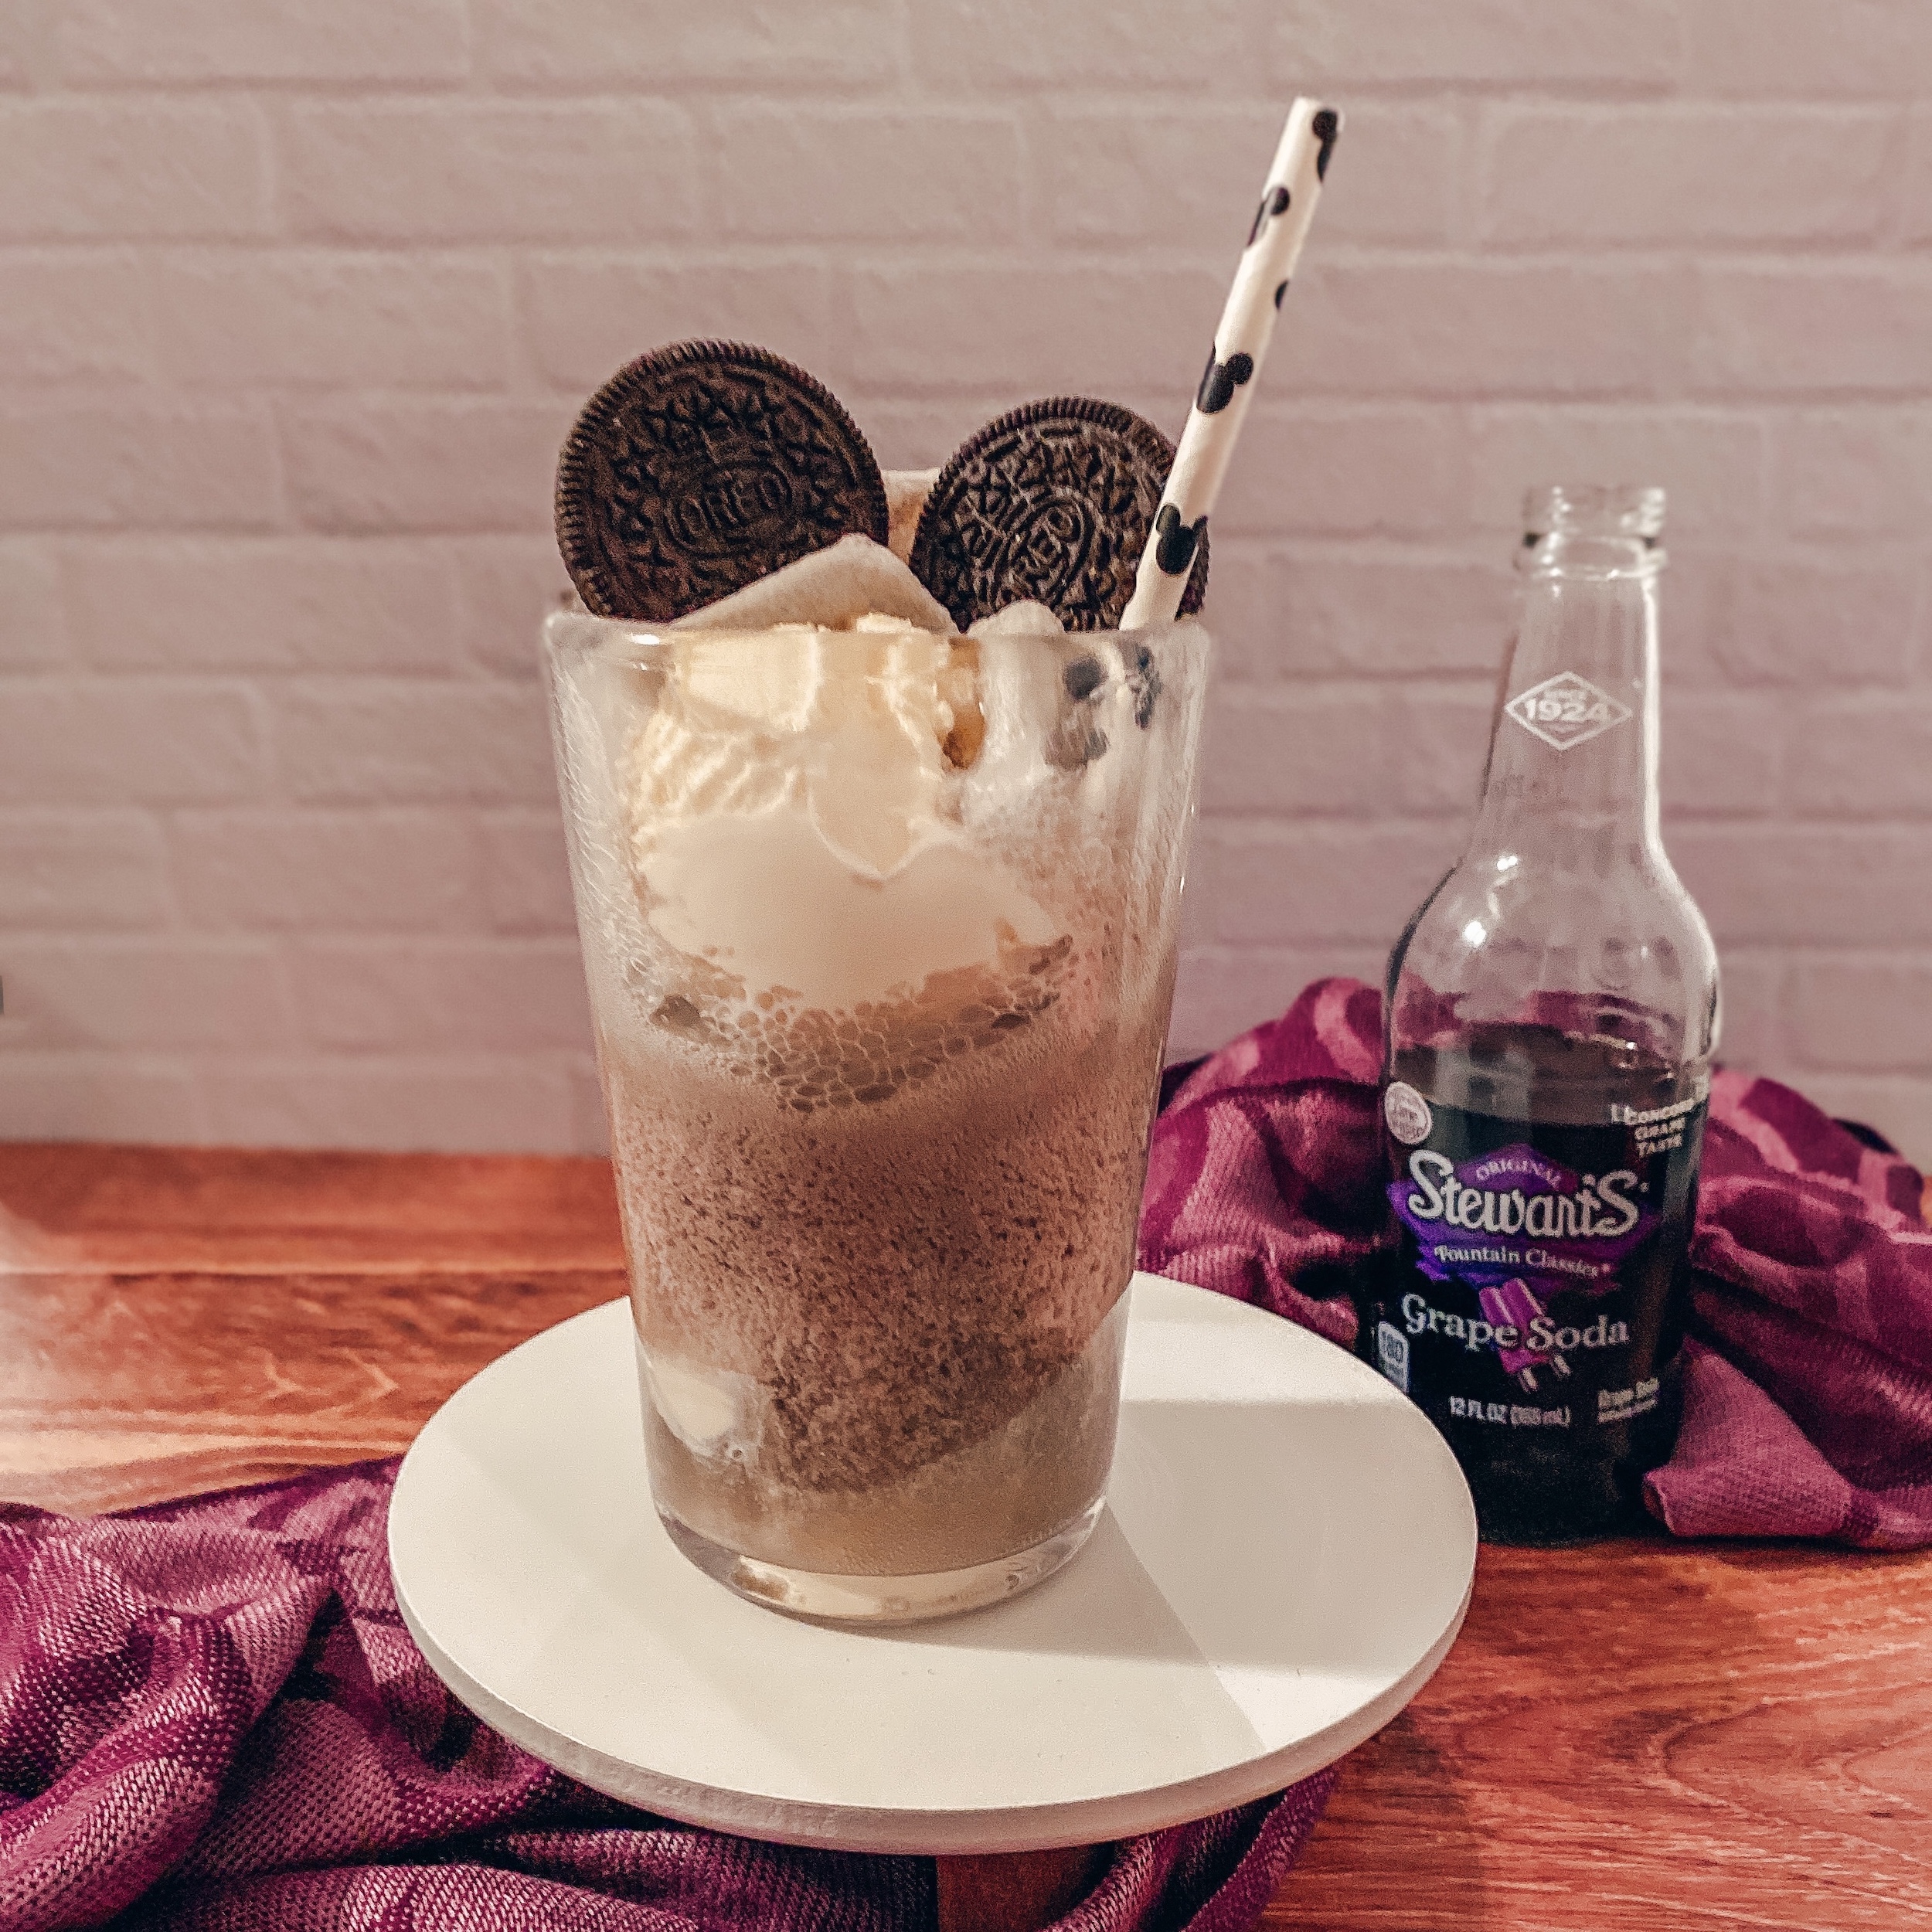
<point>298,301</point>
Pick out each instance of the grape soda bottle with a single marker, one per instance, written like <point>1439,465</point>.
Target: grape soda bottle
<point>1551,1013</point>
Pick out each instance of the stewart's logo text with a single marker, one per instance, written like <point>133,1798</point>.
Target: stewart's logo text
<point>1516,1212</point>
<point>1600,1208</point>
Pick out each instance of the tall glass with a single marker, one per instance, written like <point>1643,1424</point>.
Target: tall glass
<point>879,930</point>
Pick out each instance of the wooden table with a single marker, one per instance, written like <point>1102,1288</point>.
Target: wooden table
<point>1639,1734</point>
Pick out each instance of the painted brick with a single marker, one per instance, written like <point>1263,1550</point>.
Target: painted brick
<point>1841,326</point>
<point>1722,756</point>
<point>300,306</point>
<point>1915,178</point>
<point>1244,610</point>
<point>587,316</point>
<point>1308,752</point>
<point>161,741</point>
<point>998,45</point>
<point>150,41</point>
<point>33,617</point>
<point>72,318</point>
<point>384,465</point>
<point>79,170</point>
<point>1166,177</point>
<point>1302,885</point>
<point>601,172</point>
<point>1478,42</point>
<point>1868,757</point>
<point>1800,622</point>
<point>1793,885</point>
<point>72,1097</point>
<point>1834,1002</point>
<point>1753,1029</point>
<point>261,603</point>
<point>1569,176</point>
<point>1855,473</point>
<point>1438,736</point>
<point>137,464</point>
<point>1900,1107</point>
<point>1353,751</point>
<point>1342,470</point>
<point>1369,609</point>
<point>392,740</point>
<point>327,872</point>
<point>1401,177</point>
<point>653,43</point>
<point>858,174</point>
<point>1223,990</point>
<point>152,994</point>
<point>1712,463</point>
<point>591,1127</point>
<point>505,588</point>
<point>1027,331</point>
<point>446,996</point>
<point>1696,597</point>
<point>395,1106</point>
<point>67,871</point>
<point>1740,47</point>
<point>1174,179</point>
<point>922,433</point>
<point>298,320</point>
<point>526,873</point>
<point>1491,328</point>
<point>20,33</point>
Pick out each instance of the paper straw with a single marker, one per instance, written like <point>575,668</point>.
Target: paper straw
<point>1292,187</point>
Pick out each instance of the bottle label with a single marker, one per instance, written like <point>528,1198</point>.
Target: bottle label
<point>1392,1353</point>
<point>1407,1114</point>
<point>1542,1265</point>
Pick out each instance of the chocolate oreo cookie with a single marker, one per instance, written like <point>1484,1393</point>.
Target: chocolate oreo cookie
<point>1053,502</point>
<point>700,467</point>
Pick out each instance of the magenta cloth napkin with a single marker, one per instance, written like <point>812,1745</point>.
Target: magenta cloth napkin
<point>212,1719</point>
<point>1808,1382</point>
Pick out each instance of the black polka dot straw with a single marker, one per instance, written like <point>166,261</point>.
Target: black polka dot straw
<point>1281,219</point>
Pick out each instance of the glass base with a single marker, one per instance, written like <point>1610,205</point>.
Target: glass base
<point>822,1597</point>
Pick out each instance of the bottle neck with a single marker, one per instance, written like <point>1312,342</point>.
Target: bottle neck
<point>1571,780</point>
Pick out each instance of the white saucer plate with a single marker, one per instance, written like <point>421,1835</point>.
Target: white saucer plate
<point>1285,1556</point>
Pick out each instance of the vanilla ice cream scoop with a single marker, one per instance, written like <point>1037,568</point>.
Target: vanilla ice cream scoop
<point>845,727</point>
<point>794,815</point>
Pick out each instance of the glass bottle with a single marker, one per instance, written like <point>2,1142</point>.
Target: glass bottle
<point>1551,1012</point>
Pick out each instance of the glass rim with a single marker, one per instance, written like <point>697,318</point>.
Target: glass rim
<point>1594,509</point>
<point>1595,531</point>
<point>569,626</point>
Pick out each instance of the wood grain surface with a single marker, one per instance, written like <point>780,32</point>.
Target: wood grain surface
<point>1649,1733</point>
<point>1642,1734</point>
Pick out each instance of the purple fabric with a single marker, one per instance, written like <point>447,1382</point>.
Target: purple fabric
<point>212,1719</point>
<point>1808,1389</point>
